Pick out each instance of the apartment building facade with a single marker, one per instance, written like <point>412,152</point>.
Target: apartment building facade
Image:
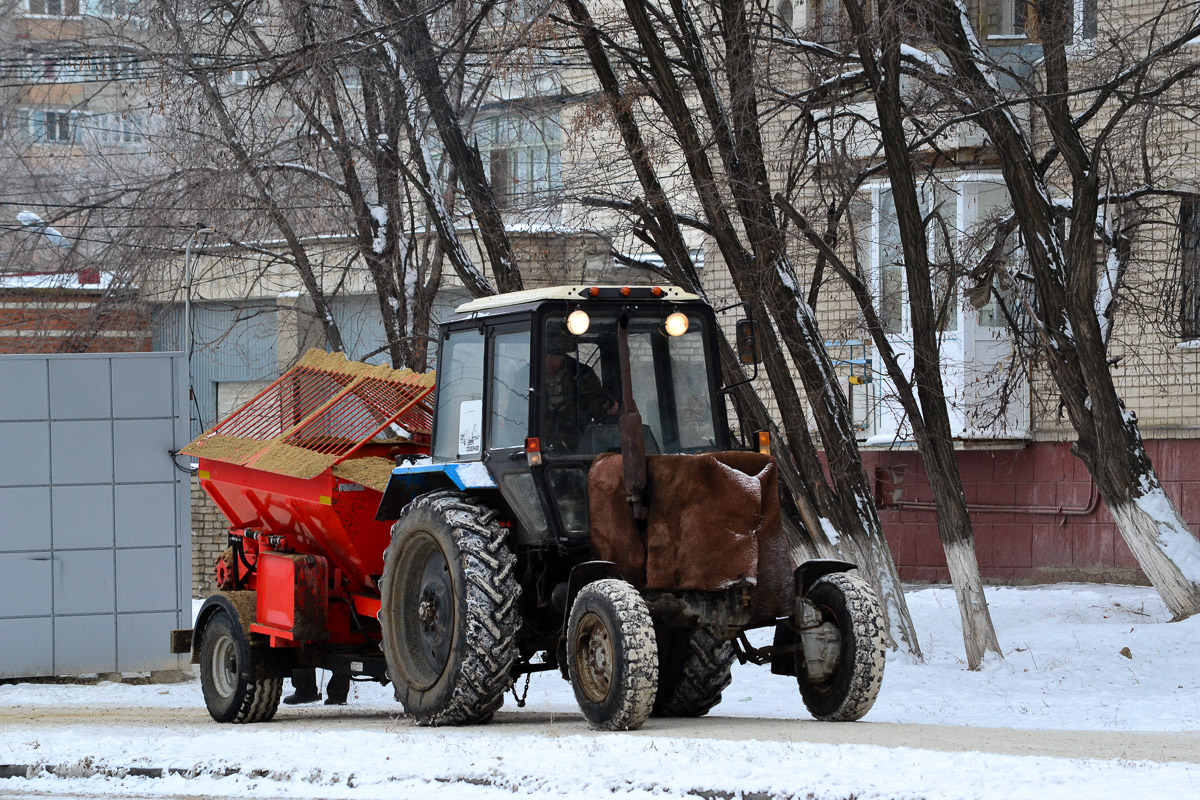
<point>74,114</point>
<point>1036,512</point>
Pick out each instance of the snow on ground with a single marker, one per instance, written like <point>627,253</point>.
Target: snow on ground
<point>1065,669</point>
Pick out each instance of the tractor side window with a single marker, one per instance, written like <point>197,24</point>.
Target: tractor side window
<point>509,423</point>
<point>460,398</point>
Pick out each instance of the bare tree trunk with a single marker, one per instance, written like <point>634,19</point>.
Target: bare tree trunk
<point>1064,273</point>
<point>421,62</point>
<point>923,398</point>
<point>765,278</point>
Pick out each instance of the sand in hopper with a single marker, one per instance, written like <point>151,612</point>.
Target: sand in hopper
<point>372,472</point>
<point>219,447</point>
<point>284,459</point>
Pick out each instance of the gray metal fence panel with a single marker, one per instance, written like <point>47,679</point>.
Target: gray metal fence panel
<point>95,539</point>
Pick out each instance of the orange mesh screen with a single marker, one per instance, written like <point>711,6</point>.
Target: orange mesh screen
<point>318,413</point>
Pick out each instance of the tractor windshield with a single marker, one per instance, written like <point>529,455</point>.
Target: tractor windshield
<point>580,396</point>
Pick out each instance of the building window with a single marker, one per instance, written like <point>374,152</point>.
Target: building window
<point>827,21</point>
<point>1189,267</point>
<point>54,8</point>
<point>118,128</point>
<point>64,127</point>
<point>1008,19</point>
<point>1085,20</point>
<point>884,253</point>
<point>110,8</point>
<point>79,67</point>
<point>523,154</point>
<point>58,127</point>
<point>961,213</point>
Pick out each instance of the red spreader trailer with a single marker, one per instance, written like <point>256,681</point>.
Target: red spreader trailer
<point>299,472</point>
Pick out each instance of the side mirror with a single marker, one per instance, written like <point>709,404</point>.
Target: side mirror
<point>747,342</point>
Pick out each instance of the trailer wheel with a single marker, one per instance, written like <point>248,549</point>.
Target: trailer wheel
<point>236,687</point>
<point>850,604</point>
<point>449,612</point>
<point>612,656</point>
<point>693,670</point>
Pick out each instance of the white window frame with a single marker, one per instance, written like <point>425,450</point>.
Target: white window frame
<point>1081,20</point>
<point>31,120</point>
<point>61,13</point>
<point>532,144</point>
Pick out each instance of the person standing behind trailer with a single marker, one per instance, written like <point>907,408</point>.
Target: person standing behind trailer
<point>304,688</point>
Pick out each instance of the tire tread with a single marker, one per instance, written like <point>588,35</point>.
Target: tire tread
<point>867,628</point>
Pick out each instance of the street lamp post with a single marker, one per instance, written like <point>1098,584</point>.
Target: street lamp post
<point>187,301</point>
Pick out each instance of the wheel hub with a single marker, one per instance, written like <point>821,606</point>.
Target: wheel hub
<point>594,661</point>
<point>224,666</point>
<point>429,612</point>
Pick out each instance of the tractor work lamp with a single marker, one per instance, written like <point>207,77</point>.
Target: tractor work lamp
<point>578,322</point>
<point>676,324</point>
<point>533,451</point>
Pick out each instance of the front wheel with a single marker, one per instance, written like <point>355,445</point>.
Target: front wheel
<point>848,690</point>
<point>612,656</point>
<point>236,688</point>
<point>449,613</point>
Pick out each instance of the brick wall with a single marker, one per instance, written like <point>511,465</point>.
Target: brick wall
<point>210,533</point>
<point>1036,516</point>
<point>70,321</point>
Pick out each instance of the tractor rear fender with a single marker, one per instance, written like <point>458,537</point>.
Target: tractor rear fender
<point>582,575</point>
<point>238,605</point>
<point>812,571</point>
<point>410,480</point>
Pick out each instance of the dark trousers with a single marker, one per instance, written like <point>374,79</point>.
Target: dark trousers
<point>304,681</point>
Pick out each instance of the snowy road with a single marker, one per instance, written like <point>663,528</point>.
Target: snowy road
<point>1098,697</point>
<point>194,723</point>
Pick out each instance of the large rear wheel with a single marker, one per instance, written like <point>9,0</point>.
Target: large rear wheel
<point>693,669</point>
<point>236,687</point>
<point>848,690</point>
<point>611,655</point>
<point>449,610</point>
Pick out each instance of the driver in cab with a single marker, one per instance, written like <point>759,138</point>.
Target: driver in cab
<point>572,395</point>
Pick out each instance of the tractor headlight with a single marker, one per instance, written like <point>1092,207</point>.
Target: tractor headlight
<point>578,322</point>
<point>676,324</point>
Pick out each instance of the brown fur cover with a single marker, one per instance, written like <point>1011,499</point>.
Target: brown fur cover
<point>714,522</point>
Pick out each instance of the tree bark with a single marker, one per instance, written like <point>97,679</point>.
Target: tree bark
<point>421,62</point>
<point>765,277</point>
<point>923,398</point>
<point>1064,271</point>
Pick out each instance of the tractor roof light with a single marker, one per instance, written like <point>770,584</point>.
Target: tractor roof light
<point>578,322</point>
<point>676,324</point>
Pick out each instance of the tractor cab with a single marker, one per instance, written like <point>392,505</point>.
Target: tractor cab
<point>531,389</point>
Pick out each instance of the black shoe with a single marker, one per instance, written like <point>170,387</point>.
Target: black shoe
<point>300,698</point>
<point>329,701</point>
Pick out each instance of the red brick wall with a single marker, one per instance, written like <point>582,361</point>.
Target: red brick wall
<point>1035,513</point>
<point>43,322</point>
